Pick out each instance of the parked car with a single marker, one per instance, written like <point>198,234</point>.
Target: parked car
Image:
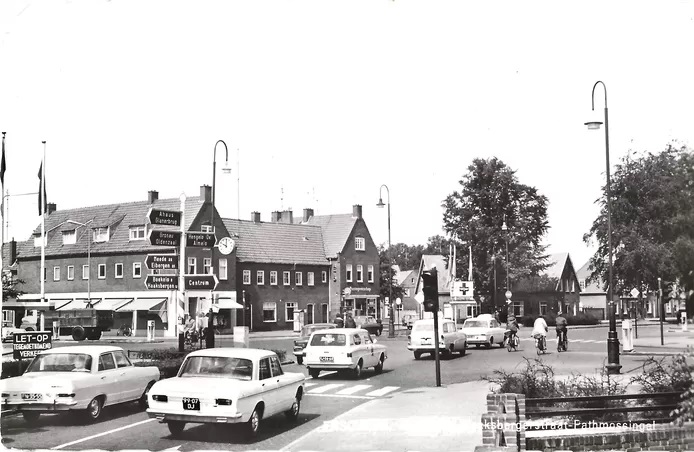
<point>408,320</point>
<point>8,331</point>
<point>83,378</point>
<point>344,349</point>
<point>484,331</point>
<point>300,344</point>
<point>369,323</point>
<point>421,338</point>
<point>227,385</point>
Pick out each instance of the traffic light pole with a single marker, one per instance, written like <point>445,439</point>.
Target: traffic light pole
<point>436,349</point>
<point>661,309</point>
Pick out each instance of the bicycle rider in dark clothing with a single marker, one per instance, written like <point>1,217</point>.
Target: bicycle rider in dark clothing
<point>561,326</point>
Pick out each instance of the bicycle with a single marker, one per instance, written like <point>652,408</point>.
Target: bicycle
<point>562,341</point>
<point>124,330</point>
<point>191,338</point>
<point>512,343</point>
<point>541,344</point>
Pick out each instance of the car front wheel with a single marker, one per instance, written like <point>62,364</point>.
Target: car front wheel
<point>31,416</point>
<point>356,372</point>
<point>379,366</point>
<point>464,349</point>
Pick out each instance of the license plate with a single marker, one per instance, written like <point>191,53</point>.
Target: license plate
<point>31,396</point>
<point>326,359</point>
<point>425,341</point>
<point>191,404</point>
<point>480,338</point>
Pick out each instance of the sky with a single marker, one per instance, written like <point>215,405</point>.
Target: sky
<point>320,103</point>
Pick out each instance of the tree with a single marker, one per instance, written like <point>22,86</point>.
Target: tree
<point>405,256</point>
<point>9,287</point>
<point>474,216</point>
<point>652,221</point>
<point>388,277</point>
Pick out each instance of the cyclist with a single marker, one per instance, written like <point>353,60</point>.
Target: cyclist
<point>511,327</point>
<point>561,328</point>
<point>540,330</point>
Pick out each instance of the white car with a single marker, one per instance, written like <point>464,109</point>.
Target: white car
<point>83,378</point>
<point>350,349</point>
<point>8,331</point>
<point>227,385</point>
<point>421,338</point>
<point>484,331</point>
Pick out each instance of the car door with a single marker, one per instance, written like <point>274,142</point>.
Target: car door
<point>107,379</point>
<point>370,357</point>
<point>285,388</point>
<point>129,379</point>
<point>497,331</point>
<point>358,350</point>
<point>268,387</point>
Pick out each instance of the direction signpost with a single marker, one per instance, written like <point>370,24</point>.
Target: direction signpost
<point>201,282</point>
<point>162,261</point>
<point>164,238</point>
<point>162,282</point>
<point>164,217</point>
<point>200,239</point>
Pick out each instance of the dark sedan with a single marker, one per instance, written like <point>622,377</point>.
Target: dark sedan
<point>369,323</point>
<point>300,344</point>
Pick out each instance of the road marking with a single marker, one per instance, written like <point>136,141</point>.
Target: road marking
<point>322,389</point>
<point>344,396</point>
<point>327,373</point>
<point>172,448</point>
<point>383,391</point>
<point>103,434</point>
<point>353,389</point>
<point>308,383</point>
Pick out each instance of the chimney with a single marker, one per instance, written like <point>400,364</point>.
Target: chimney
<point>13,252</point>
<point>255,217</point>
<point>275,217</point>
<point>206,193</point>
<point>51,207</point>
<point>308,213</point>
<point>152,196</point>
<point>356,211</point>
<point>287,217</point>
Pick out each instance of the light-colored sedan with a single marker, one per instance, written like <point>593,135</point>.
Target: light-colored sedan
<point>350,349</point>
<point>227,385</point>
<point>421,339</point>
<point>84,378</point>
<point>484,331</point>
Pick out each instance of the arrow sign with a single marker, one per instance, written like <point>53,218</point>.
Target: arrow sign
<point>201,239</point>
<point>162,262</point>
<point>164,217</point>
<point>164,238</point>
<point>162,282</point>
<point>201,282</point>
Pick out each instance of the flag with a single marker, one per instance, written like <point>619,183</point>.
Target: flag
<point>42,189</point>
<point>3,165</point>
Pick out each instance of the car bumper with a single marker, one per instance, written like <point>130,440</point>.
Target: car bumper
<point>328,366</point>
<point>230,418</point>
<point>425,348</point>
<point>44,407</point>
<point>299,352</point>
<point>477,340</point>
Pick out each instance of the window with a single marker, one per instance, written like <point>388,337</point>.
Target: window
<point>118,271</point>
<point>246,277</point>
<point>223,269</point>
<point>260,277</point>
<point>192,263</point>
<point>275,366</point>
<point>70,272</point>
<point>370,273</point>
<point>356,339</point>
<point>543,308</point>
<point>100,234</point>
<point>273,278</point>
<point>289,308</point>
<point>121,359</point>
<point>349,272</point>
<point>85,272</point>
<point>309,278</point>
<point>269,312</point>
<point>324,276</point>
<point>69,237</point>
<point>45,272</point>
<point>518,308</point>
<point>298,278</point>
<point>106,362</point>
<point>206,228</point>
<point>207,265</point>
<point>56,273</point>
<point>359,244</point>
<point>264,369</point>
<point>137,232</point>
<point>286,278</point>
<point>101,271</point>
<point>137,269</point>
<point>360,273</point>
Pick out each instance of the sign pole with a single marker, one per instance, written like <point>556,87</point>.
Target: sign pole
<point>180,294</point>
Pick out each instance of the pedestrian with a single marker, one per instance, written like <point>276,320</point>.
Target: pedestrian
<point>349,321</point>
<point>339,321</point>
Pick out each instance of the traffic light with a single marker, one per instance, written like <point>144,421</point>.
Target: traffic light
<point>430,288</point>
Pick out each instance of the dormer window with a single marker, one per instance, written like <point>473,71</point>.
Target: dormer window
<point>206,228</point>
<point>137,233</point>
<point>101,234</point>
<point>69,237</point>
<point>359,244</point>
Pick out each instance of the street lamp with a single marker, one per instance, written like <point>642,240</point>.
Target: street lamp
<point>391,322</point>
<point>505,229</point>
<point>89,258</point>
<point>613,365</point>
<point>209,339</point>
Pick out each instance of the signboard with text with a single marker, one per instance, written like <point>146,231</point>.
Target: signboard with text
<point>201,282</point>
<point>29,344</point>
<point>164,238</point>
<point>201,239</point>
<point>164,217</point>
<point>162,261</point>
<point>162,282</point>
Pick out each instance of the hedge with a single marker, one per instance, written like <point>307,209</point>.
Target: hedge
<point>550,318</point>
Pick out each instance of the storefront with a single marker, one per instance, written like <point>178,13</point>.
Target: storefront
<point>360,301</point>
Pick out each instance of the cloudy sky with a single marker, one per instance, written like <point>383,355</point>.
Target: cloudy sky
<point>321,102</point>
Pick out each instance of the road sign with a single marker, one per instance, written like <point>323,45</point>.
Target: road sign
<point>162,261</point>
<point>201,239</point>
<point>419,297</point>
<point>162,282</point>
<point>201,282</point>
<point>164,238</point>
<point>164,217</point>
<point>28,345</point>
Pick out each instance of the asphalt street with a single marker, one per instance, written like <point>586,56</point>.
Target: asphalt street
<point>331,395</point>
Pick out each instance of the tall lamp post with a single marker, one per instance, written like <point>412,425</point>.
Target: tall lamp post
<point>391,321</point>
<point>613,366</point>
<point>209,339</point>
<point>508,287</point>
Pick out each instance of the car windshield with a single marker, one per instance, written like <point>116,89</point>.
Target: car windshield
<point>423,327</point>
<point>475,324</point>
<point>61,362</point>
<point>218,367</point>
<point>328,340</point>
<point>308,329</point>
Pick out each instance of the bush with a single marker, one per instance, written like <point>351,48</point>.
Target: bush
<point>550,318</point>
<point>582,319</point>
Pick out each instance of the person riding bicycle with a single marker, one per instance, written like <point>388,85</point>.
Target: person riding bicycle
<point>540,329</point>
<point>561,326</point>
<point>511,327</point>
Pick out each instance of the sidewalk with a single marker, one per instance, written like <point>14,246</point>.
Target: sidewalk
<point>436,419</point>
<point>674,342</point>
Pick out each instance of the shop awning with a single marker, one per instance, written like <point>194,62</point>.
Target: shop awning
<point>112,304</point>
<point>227,303</point>
<point>79,304</point>
<point>144,304</point>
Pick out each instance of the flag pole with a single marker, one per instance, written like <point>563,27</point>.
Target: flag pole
<point>2,220</point>
<point>43,235</point>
